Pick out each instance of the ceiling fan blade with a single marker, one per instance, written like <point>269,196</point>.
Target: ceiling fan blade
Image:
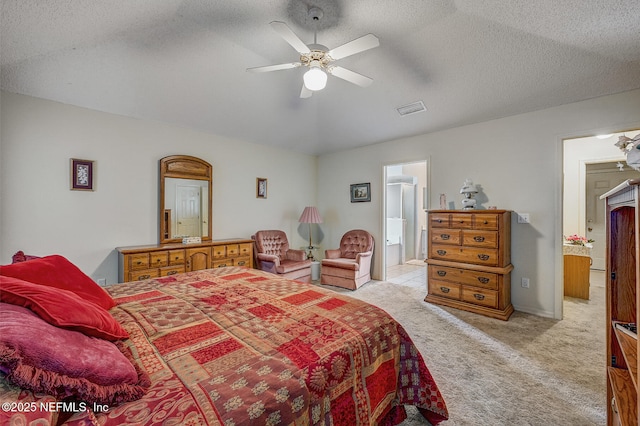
<point>275,67</point>
<point>358,45</point>
<point>289,36</point>
<point>350,76</point>
<point>305,93</point>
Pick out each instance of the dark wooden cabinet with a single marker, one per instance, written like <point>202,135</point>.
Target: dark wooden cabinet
<point>622,280</point>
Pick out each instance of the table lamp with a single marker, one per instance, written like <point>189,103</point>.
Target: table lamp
<point>310,215</point>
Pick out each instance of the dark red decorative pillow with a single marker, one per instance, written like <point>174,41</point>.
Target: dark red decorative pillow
<point>21,257</point>
<point>61,308</point>
<point>66,364</point>
<point>56,271</point>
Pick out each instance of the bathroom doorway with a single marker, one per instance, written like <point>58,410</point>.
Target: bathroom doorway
<point>405,218</point>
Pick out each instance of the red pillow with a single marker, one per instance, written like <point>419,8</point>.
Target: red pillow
<point>61,308</point>
<point>56,271</point>
<point>66,364</point>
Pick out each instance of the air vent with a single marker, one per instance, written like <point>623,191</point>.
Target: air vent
<point>411,108</point>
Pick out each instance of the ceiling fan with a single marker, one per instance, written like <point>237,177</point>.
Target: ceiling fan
<point>319,59</point>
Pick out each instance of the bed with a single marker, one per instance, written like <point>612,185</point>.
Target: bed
<point>227,346</point>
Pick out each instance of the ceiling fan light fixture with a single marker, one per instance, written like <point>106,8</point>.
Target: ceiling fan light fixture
<point>315,79</point>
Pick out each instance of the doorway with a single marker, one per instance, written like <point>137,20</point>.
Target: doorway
<point>404,222</point>
<point>591,167</point>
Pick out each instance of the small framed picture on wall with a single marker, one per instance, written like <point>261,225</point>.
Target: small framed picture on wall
<point>261,188</point>
<point>360,192</point>
<point>81,175</point>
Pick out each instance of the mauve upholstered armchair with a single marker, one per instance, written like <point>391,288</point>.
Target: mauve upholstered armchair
<point>350,265</point>
<point>273,255</point>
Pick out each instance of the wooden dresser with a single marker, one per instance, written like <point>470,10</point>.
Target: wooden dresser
<point>622,306</point>
<point>151,261</point>
<point>469,261</point>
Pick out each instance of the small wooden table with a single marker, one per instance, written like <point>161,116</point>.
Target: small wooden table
<point>577,264</point>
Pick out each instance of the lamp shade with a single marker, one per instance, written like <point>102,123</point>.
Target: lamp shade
<point>310,215</point>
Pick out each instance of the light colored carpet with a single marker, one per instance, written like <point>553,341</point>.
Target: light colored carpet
<point>526,371</point>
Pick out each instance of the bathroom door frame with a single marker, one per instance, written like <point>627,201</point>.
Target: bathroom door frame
<point>423,192</point>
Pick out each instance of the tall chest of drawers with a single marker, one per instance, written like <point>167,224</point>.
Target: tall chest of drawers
<point>469,261</point>
<point>152,261</point>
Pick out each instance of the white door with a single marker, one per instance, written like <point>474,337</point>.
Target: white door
<point>601,177</point>
<point>188,210</point>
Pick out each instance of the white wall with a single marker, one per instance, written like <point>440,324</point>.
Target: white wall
<point>518,162</point>
<point>40,215</point>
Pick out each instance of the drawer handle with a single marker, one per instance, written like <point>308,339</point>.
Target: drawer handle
<point>483,280</point>
<point>441,252</point>
<point>439,220</point>
<point>242,263</point>
<point>222,265</point>
<point>461,221</point>
<point>445,289</point>
<point>177,258</point>
<point>478,239</point>
<point>483,256</point>
<point>478,296</point>
<point>445,236</point>
<point>139,262</point>
<point>144,277</point>
<point>158,260</point>
<point>442,273</point>
<point>486,222</point>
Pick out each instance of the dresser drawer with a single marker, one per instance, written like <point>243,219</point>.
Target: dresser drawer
<point>219,252</point>
<point>242,261</point>
<point>138,261</point>
<point>176,257</point>
<point>444,289</point>
<point>244,249</point>
<point>158,259</point>
<point>476,255</point>
<point>481,279</point>
<point>478,296</point>
<point>222,263</point>
<point>439,220</point>
<point>462,221</point>
<point>232,250</point>
<point>172,270</point>
<point>446,236</point>
<point>144,274</point>
<point>480,238</point>
<point>485,221</point>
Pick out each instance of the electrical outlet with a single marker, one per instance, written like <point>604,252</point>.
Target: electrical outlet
<point>523,218</point>
<point>525,282</point>
<point>102,281</point>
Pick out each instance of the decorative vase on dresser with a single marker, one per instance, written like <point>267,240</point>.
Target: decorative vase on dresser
<point>469,261</point>
<point>622,307</point>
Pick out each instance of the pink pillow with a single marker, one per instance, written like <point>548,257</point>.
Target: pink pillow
<point>61,308</point>
<point>56,271</point>
<point>21,257</point>
<point>66,364</point>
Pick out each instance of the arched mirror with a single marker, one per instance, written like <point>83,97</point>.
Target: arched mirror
<point>185,198</point>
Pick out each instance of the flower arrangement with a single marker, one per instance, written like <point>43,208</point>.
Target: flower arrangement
<point>577,240</point>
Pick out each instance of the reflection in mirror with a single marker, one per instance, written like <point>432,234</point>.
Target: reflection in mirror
<point>185,198</point>
<point>186,205</point>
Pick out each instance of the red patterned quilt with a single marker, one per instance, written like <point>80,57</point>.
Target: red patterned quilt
<point>234,346</point>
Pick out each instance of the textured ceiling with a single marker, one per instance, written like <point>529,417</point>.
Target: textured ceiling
<point>184,61</point>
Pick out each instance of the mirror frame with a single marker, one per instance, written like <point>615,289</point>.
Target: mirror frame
<point>182,167</point>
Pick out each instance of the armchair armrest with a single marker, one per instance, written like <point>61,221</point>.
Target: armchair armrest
<point>363,255</point>
<point>269,258</point>
<point>332,254</point>
<point>297,255</point>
